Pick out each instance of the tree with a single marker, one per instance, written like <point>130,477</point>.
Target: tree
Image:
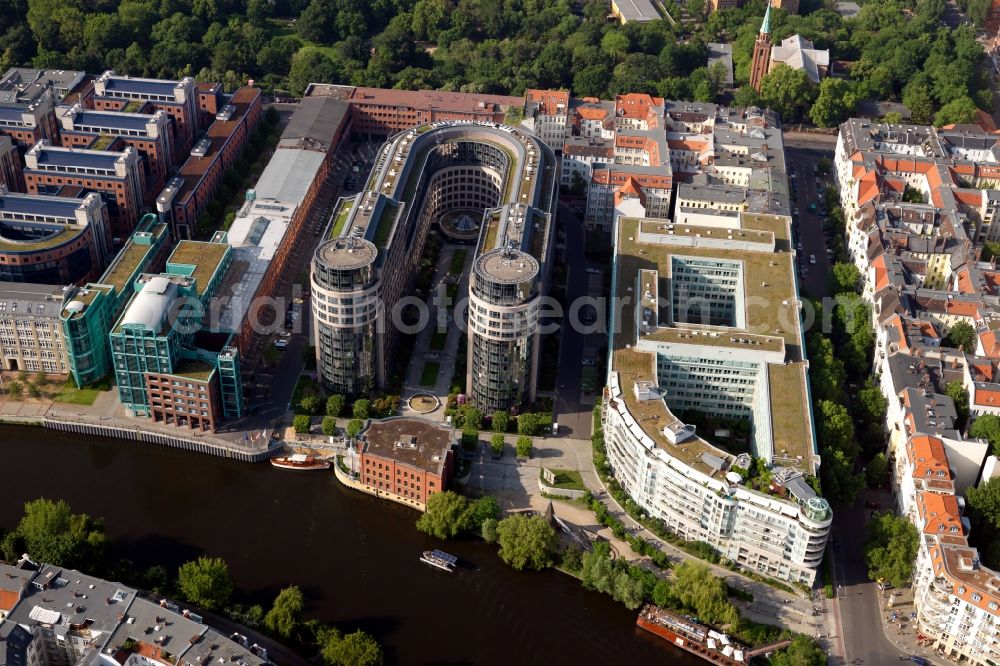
<point>697,588</point>
<point>285,616</point>
<point>596,570</point>
<point>50,532</point>
<point>496,444</point>
<point>329,426</point>
<point>960,396</point>
<point>446,516</point>
<point>834,103</point>
<point>489,530</point>
<point>957,111</point>
<point>893,118</point>
<point>985,499</point>
<point>354,427</point>
<point>527,424</point>
<point>836,428</point>
<point>500,421</point>
<point>334,405</point>
<point>615,44</point>
<point>841,484</point>
<point>310,66</point>
<point>301,423</point>
<point>787,91</point>
<point>845,278</point>
<point>802,652</point>
<point>875,470</point>
<point>480,510</point>
<point>987,426</point>
<point>628,591</point>
<point>891,548</point>
<point>526,542</point>
<point>310,404</point>
<point>362,408</point>
<point>356,649</point>
<point>34,391</point>
<point>746,96</point>
<point>523,447</point>
<point>961,336</point>
<point>206,582</point>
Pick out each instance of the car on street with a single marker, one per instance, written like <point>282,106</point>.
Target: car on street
<point>812,258</point>
<point>594,271</point>
<point>588,362</point>
<point>281,344</point>
<point>796,212</point>
<point>798,246</point>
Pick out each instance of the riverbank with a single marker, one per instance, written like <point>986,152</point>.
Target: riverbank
<point>105,417</point>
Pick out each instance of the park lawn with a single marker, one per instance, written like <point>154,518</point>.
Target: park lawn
<point>438,339</point>
<point>76,396</point>
<point>567,479</point>
<point>457,262</point>
<point>429,376</point>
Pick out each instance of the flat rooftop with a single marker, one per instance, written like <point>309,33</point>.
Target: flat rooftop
<point>55,239</point>
<point>112,120</point>
<point>15,204</point>
<point>205,257</point>
<point>128,260</point>
<point>71,158</point>
<point>198,371</point>
<point>139,86</point>
<point>772,325</point>
<point>23,298</point>
<point>417,442</point>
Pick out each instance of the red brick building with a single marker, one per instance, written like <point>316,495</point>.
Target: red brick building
<point>179,99</point>
<point>187,398</point>
<point>406,459</point>
<point>196,182</point>
<point>11,169</point>
<point>386,111</point>
<point>116,175</point>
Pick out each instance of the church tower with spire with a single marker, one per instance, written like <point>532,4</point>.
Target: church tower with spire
<point>761,52</point>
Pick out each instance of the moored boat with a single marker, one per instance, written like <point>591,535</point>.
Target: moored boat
<point>299,461</point>
<point>713,646</point>
<point>439,559</point>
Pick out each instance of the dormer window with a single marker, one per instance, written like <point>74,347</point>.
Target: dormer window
<point>977,597</point>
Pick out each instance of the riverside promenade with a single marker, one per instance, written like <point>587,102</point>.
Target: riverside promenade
<point>106,417</point>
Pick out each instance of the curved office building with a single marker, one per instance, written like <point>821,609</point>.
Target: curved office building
<point>497,178</point>
<point>708,330</point>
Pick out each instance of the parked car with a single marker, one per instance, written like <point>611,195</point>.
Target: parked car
<point>812,258</point>
<point>589,362</point>
<point>594,271</point>
<point>281,343</point>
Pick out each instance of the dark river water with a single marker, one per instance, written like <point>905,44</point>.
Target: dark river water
<point>355,557</point>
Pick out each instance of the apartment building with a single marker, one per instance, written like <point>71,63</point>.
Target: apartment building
<point>179,99</point>
<point>117,176</point>
<point>918,203</point>
<point>63,617</point>
<point>151,135</point>
<point>681,345</point>
<point>187,194</point>
<point>546,113</point>
<point>54,240</point>
<point>30,333</point>
<point>28,98</point>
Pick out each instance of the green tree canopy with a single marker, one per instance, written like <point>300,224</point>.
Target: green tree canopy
<point>834,103</point>
<point>446,516</point>
<point>846,277</point>
<point>957,111</point>
<point>697,588</point>
<point>334,405</point>
<point>50,532</point>
<point>206,582</point>
<point>500,421</point>
<point>526,542</point>
<point>891,548</point>
<point>875,470</point>
<point>987,426</point>
<point>960,395</point>
<point>787,91</point>
<point>362,408</point>
<point>985,500</point>
<point>802,652</point>
<point>355,649</point>
<point>286,614</point>
<point>961,336</point>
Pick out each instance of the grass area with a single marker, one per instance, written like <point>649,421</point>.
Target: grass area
<point>76,396</point>
<point>438,340</point>
<point>304,387</point>
<point>338,224</point>
<point>566,479</point>
<point>429,376</point>
<point>457,262</point>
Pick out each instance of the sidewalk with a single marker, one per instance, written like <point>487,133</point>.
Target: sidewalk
<point>902,632</point>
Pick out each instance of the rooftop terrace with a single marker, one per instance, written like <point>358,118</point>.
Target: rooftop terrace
<point>205,257</point>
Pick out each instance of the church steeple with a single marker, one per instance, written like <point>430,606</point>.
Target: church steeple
<point>765,27</point>
<point>761,63</point>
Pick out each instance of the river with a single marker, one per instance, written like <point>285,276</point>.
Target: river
<point>354,556</point>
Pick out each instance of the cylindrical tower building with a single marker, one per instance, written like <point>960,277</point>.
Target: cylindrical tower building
<point>345,307</point>
<point>503,324</point>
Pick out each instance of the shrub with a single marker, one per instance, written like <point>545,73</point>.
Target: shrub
<point>354,427</point>
<point>310,404</point>
<point>524,446</point>
<point>301,423</point>
<point>500,421</point>
<point>329,426</point>
<point>362,409</point>
<point>527,424</point>
<point>496,443</point>
<point>334,405</point>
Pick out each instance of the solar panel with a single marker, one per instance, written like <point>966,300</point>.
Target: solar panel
<point>450,559</point>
